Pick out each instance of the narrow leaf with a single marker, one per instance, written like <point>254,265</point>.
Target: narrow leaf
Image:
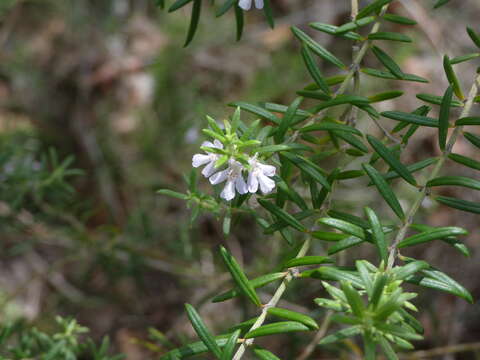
<point>444,117</point>
<point>472,138</point>
<point>464,160</point>
<point>452,78</point>
<point>384,189</point>
<point>227,352</point>
<point>202,331</point>
<point>411,118</point>
<point>464,205</point>
<point>256,110</point>
<point>431,235</point>
<point>474,36</point>
<point>307,260</point>
<point>341,334</point>
<point>353,299</point>
<point>378,235</point>
<point>344,226</point>
<point>239,277</point>
<point>317,48</point>
<point>455,181</point>
<point>196,8</point>
<point>388,62</point>
<point>373,7</point>
<point>391,159</point>
<point>399,19</point>
<point>314,70</point>
<point>390,76</point>
<point>293,316</point>
<point>264,354</point>
<point>277,328</point>
<point>472,120</point>
<point>391,36</point>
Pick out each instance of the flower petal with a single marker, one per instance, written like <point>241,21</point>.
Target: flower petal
<point>268,170</point>
<point>245,4</point>
<point>209,170</point>
<point>208,144</point>
<point>219,177</point>
<point>228,192</point>
<point>252,182</point>
<point>240,185</point>
<point>200,159</point>
<point>217,144</point>
<point>266,184</point>
<point>259,4</point>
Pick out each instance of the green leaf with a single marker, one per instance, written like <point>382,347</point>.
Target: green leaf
<point>307,260</point>
<point>332,30</point>
<point>330,126</point>
<point>464,205</point>
<point>344,244</point>
<point>434,234</point>
<point>352,140</point>
<point>434,277</point>
<point>341,334</point>
<point>373,7</point>
<point>202,331</point>
<point>455,181</point>
<point>227,352</point>
<point>267,10</point>
<point>378,286</point>
<point>472,138</point>
<point>341,100</point>
<point>239,19</point>
<point>264,354</point>
<point>390,76</point>
<point>451,240</point>
<point>437,100</point>
<point>317,94</point>
<point>365,275</point>
<point>307,167</point>
<point>282,224</point>
<point>196,9</point>
<point>452,78</point>
<point>370,347</point>
<point>282,327</point>
<point>317,48</point>
<point>412,168</point>
<point>293,316</point>
<point>287,119</point>
<point>387,349</point>
<point>344,226</point>
<point>282,215</point>
<point>411,118</point>
<point>227,5</point>
<point>474,36</point>
<point>314,70</point>
<point>256,283</point>
<point>178,4</point>
<point>353,299</point>
<point>244,326</point>
<point>472,120</point>
<point>387,95</point>
<point>444,117</point>
<point>391,159</point>
<point>239,277</point>
<point>349,218</point>
<point>399,19</point>
<point>384,189</point>
<point>173,194</point>
<point>352,25</point>
<point>193,349</point>
<point>403,272</point>
<point>378,235</point>
<point>328,236</point>
<point>388,62</point>
<point>330,273</point>
<point>463,58</point>
<point>391,36</point>
<point>464,160</point>
<point>265,114</point>
<point>440,3</point>
<point>282,147</point>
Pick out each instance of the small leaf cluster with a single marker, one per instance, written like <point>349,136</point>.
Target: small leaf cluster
<point>19,341</point>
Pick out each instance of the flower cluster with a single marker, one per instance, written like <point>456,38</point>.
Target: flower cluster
<point>247,4</point>
<point>259,175</point>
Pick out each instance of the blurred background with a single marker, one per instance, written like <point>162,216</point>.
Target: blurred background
<point>100,106</point>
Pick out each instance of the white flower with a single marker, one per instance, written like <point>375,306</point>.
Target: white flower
<point>247,4</point>
<point>209,158</point>
<point>234,178</point>
<point>260,175</point>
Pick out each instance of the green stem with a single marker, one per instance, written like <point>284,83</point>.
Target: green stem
<point>424,190</point>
